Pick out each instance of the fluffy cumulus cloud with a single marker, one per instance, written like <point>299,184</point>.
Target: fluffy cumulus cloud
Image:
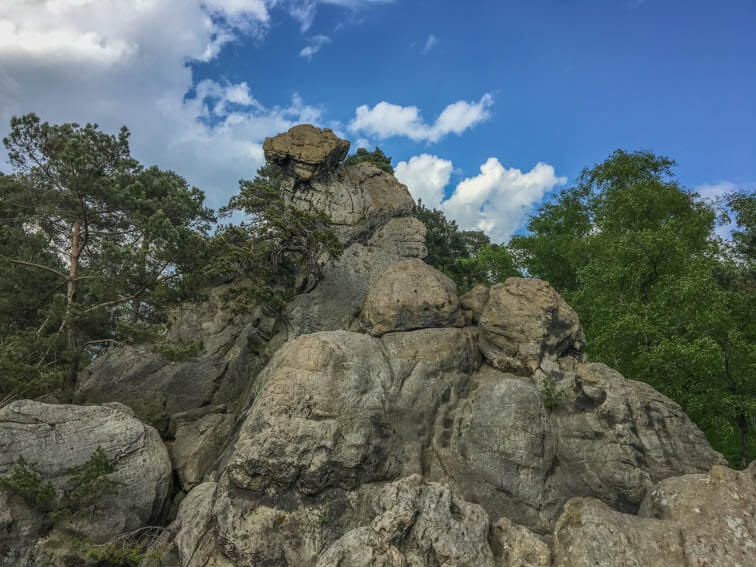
<point>426,176</point>
<point>385,120</point>
<point>496,201</point>
<point>125,62</point>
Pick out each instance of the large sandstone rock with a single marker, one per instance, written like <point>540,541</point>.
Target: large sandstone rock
<point>590,533</point>
<point>336,301</point>
<point>524,321</point>
<point>416,523</point>
<point>715,513</point>
<point>320,418</point>
<point>608,437</point>
<point>54,439</point>
<point>305,151</point>
<point>410,294</point>
<point>516,546</point>
<point>234,350</point>
<point>358,200</point>
<point>688,521</point>
<point>403,236</point>
<point>199,436</point>
<point>475,301</point>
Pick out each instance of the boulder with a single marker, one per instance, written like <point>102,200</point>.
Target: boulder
<point>409,295</point>
<point>714,512</point>
<point>523,321</point>
<point>336,301</point>
<point>416,523</point>
<point>475,301</point>
<point>319,420</point>
<point>693,520</point>
<point>55,439</point>
<point>403,236</point>
<point>306,152</point>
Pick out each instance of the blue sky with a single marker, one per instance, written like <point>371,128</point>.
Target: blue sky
<point>485,106</point>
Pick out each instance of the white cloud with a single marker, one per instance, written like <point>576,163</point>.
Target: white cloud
<point>712,194</point>
<point>316,43</point>
<point>125,62</point>
<point>430,43</point>
<point>498,200</point>
<point>426,176</point>
<point>385,120</point>
<point>304,11</point>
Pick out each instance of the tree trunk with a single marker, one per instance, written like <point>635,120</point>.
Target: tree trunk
<point>72,347</point>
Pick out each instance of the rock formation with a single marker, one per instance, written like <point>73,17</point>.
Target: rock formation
<point>384,421</point>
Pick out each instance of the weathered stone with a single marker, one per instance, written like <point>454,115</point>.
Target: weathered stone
<point>305,151</point>
<point>199,437</point>
<point>336,301</point>
<point>156,388</point>
<point>429,367</point>
<point>516,546</point>
<point>358,200</point>
<point>524,320</point>
<point>498,444</point>
<point>54,439</point>
<point>410,294</point>
<point>714,512</point>
<point>319,420</point>
<point>403,236</point>
<point>416,523</point>
<point>475,301</point>
<point>591,533</point>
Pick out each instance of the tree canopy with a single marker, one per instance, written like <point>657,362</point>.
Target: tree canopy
<point>633,253</point>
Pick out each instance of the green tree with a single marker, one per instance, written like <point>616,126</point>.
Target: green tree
<point>467,257</point>
<point>376,157</point>
<point>97,230</point>
<point>279,249</point>
<point>632,252</point>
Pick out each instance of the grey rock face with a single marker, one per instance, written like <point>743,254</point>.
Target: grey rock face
<point>416,523</point>
<point>590,533</point>
<point>475,301</point>
<point>692,520</point>
<point>199,436</point>
<point>410,295</point>
<point>403,236</point>
<point>305,151</point>
<point>358,200</point>
<point>524,321</point>
<point>499,445</point>
<point>516,546</point>
<point>156,388</point>
<point>320,419</point>
<point>715,513</point>
<point>336,301</point>
<point>53,439</point>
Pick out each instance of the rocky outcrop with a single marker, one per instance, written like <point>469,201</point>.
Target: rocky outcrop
<point>523,322</point>
<point>410,295</point>
<point>416,523</point>
<point>692,520</point>
<point>306,152</point>
<point>232,346</point>
<point>382,420</point>
<point>56,439</point>
<point>403,236</point>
